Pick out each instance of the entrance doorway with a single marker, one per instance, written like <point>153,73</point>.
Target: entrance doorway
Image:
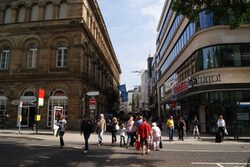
<point>28,116</point>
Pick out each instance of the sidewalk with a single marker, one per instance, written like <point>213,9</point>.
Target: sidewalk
<point>74,136</point>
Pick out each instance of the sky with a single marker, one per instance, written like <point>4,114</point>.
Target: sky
<point>132,28</point>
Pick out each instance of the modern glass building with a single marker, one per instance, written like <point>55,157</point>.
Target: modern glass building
<point>203,69</point>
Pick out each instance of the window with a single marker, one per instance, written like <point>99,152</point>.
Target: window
<point>49,11</point>
<point>21,14</point>
<point>31,57</point>
<point>4,58</point>
<point>63,11</point>
<point>7,15</point>
<point>61,58</point>
<point>35,13</point>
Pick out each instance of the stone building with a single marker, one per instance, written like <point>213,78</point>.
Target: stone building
<point>62,47</point>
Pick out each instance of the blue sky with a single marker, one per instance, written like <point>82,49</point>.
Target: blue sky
<point>132,28</point>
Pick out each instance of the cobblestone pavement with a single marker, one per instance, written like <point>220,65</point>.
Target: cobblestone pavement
<point>30,149</point>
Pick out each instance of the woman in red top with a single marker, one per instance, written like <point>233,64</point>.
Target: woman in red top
<point>144,131</point>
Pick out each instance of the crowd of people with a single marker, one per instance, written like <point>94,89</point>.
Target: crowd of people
<point>137,132</point>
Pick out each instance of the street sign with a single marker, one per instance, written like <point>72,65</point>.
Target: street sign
<point>15,102</point>
<point>40,97</point>
<point>93,93</point>
<point>92,107</point>
<point>92,101</point>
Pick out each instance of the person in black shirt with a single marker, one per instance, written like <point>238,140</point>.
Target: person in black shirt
<point>182,127</point>
<point>86,130</point>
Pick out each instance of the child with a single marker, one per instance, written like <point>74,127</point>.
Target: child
<point>156,136</point>
<point>122,133</point>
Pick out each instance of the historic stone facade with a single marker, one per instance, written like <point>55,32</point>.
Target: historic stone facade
<point>61,46</point>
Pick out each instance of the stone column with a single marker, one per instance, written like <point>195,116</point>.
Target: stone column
<point>56,11</point>
<point>27,14</point>
<point>14,15</point>
<point>41,12</point>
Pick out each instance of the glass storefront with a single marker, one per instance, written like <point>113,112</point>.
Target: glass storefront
<point>208,106</point>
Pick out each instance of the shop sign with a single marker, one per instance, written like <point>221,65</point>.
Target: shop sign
<point>181,87</point>
<point>205,79</point>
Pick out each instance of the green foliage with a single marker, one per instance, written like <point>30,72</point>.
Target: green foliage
<point>235,12</point>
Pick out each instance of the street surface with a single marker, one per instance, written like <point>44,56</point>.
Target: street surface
<point>30,149</point>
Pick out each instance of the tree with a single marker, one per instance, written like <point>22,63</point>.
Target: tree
<point>235,12</point>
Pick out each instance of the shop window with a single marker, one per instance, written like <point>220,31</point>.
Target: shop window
<point>3,103</point>
<point>57,98</point>
<point>4,58</point>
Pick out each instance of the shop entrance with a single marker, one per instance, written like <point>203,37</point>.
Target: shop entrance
<point>28,116</point>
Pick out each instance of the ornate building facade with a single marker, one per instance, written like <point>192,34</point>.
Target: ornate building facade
<point>62,47</point>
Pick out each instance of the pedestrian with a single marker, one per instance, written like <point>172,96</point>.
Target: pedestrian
<point>101,128</point>
<point>221,125</point>
<point>130,131</point>
<point>61,130</point>
<point>114,128</point>
<point>144,131</point>
<point>156,136</point>
<point>86,129</point>
<point>181,128</point>
<point>195,127</point>
<point>122,133</point>
<point>170,126</point>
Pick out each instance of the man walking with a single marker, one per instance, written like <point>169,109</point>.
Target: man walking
<point>86,130</point>
<point>170,126</point>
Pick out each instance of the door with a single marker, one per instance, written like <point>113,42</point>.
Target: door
<point>25,116</point>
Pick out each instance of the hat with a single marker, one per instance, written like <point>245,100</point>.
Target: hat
<point>154,124</point>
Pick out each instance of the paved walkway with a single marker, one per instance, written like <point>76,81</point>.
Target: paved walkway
<point>74,136</point>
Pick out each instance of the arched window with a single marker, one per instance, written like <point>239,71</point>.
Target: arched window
<point>35,13</point>
<point>57,98</point>
<point>4,57</point>
<point>32,55</point>
<point>7,15</point>
<point>49,11</point>
<point>61,55</point>
<point>21,14</point>
<point>63,10</point>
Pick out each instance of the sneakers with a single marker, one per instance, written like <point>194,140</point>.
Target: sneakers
<point>85,152</point>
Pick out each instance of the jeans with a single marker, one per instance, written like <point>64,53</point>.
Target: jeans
<point>61,133</point>
<point>130,139</point>
<point>122,140</point>
<point>113,136</point>
<point>100,134</point>
<point>171,133</point>
<point>86,138</point>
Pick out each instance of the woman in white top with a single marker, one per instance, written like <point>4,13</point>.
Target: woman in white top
<point>156,136</point>
<point>62,127</point>
<point>221,124</point>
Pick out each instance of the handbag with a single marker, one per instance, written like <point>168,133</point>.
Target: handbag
<point>160,145</point>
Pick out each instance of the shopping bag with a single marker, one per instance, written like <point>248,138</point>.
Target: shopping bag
<point>225,131</point>
<point>137,145</point>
